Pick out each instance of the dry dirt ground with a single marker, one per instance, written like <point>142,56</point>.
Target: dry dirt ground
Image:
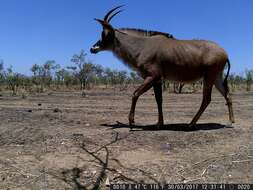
<point>62,140</point>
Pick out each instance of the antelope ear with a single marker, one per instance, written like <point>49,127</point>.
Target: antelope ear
<point>105,24</point>
<point>99,21</point>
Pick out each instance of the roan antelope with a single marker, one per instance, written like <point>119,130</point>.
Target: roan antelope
<point>157,56</point>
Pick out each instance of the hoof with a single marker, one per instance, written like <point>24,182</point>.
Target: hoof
<point>230,125</point>
<point>192,127</point>
<point>131,124</point>
<point>131,120</point>
<point>159,125</point>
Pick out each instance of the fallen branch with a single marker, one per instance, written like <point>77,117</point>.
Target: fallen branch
<point>240,161</point>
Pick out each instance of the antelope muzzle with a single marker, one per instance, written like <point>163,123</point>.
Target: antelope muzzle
<point>96,47</point>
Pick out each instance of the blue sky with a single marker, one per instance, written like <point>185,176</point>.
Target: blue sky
<point>33,31</point>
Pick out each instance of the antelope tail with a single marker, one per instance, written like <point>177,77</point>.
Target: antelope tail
<point>225,82</point>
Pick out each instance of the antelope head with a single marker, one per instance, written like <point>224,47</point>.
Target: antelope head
<point>108,33</point>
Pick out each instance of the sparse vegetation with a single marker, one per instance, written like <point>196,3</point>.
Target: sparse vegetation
<point>65,141</point>
<point>83,74</point>
<point>249,79</point>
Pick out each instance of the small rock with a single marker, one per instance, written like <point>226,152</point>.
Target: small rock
<point>39,104</point>
<point>56,110</point>
<point>78,135</point>
<point>119,171</point>
<point>84,94</point>
<point>107,182</point>
<point>87,124</point>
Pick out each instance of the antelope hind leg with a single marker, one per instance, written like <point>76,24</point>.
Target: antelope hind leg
<point>158,96</point>
<point>207,91</point>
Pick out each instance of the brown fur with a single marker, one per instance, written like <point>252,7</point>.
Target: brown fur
<point>157,56</point>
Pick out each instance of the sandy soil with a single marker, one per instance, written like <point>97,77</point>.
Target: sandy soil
<point>62,140</point>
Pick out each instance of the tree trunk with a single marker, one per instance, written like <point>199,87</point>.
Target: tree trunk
<point>248,88</point>
<point>181,85</point>
<point>164,86</point>
<point>178,87</point>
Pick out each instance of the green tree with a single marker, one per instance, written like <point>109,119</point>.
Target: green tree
<point>59,76</point>
<point>47,71</point>
<point>43,74</point>
<point>249,79</point>
<point>121,77</point>
<point>14,80</point>
<point>84,71</point>
<point>108,76</point>
<point>2,74</point>
<point>35,69</point>
<point>134,77</point>
<point>98,71</point>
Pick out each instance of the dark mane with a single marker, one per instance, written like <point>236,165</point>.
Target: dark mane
<point>145,32</point>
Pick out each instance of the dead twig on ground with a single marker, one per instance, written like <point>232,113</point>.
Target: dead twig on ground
<point>240,161</point>
<point>149,175</point>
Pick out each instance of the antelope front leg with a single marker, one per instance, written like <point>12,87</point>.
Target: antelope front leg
<point>137,93</point>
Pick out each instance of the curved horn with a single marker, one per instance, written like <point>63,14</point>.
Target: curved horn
<point>108,14</point>
<point>114,15</point>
